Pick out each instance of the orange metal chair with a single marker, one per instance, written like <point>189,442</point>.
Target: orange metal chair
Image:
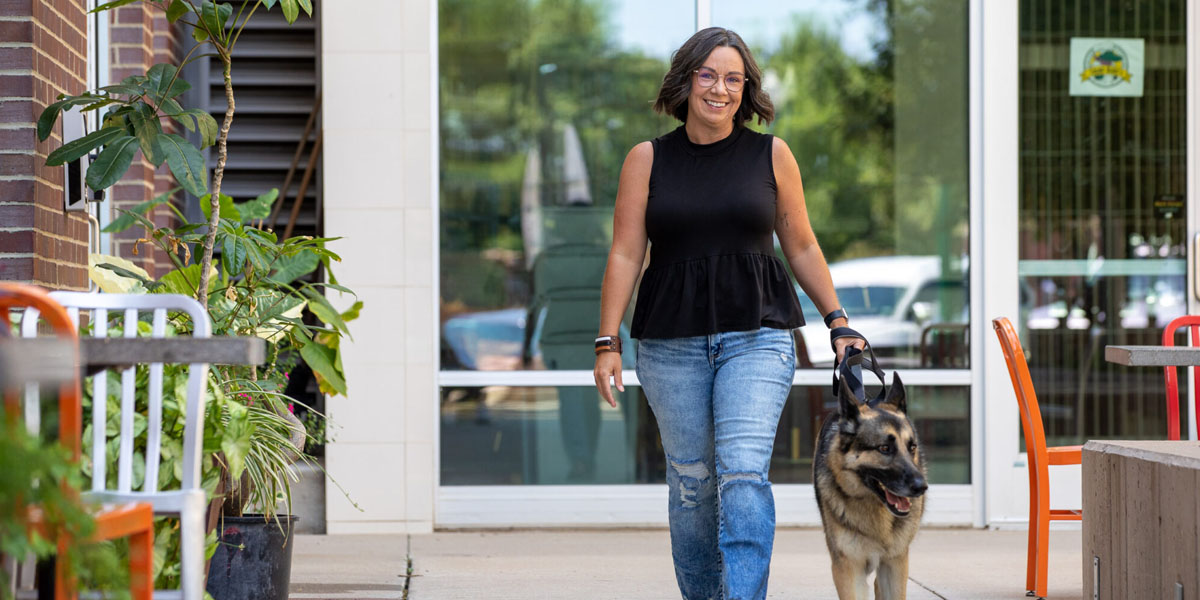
<point>132,520</point>
<point>1040,458</point>
<point>1192,322</point>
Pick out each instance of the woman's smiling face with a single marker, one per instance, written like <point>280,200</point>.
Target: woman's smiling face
<point>715,106</point>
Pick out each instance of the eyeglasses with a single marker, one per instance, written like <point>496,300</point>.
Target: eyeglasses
<point>706,78</point>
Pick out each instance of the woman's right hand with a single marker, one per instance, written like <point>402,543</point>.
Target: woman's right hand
<point>608,367</point>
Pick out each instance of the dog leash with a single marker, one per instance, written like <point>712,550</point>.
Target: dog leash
<point>850,369</point>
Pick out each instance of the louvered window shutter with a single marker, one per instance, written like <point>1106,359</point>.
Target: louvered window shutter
<point>275,83</point>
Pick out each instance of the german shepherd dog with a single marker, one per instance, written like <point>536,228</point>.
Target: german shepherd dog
<point>870,484</point>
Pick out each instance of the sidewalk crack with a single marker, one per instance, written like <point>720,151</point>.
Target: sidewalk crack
<point>923,586</point>
<point>408,567</point>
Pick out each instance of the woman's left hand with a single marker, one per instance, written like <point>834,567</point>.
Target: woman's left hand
<point>842,343</point>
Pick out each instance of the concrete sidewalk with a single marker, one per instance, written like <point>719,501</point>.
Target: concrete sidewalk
<point>636,564</point>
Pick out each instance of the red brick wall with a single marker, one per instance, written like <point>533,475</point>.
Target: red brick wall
<point>43,54</point>
<point>141,37</point>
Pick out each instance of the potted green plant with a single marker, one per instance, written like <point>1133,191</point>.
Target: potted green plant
<point>251,439</point>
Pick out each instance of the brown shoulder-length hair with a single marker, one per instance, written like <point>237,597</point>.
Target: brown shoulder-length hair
<point>677,83</point>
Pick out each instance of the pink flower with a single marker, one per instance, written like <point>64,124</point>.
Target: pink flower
<point>291,408</point>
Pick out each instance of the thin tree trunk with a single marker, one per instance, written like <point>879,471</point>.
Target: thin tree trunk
<point>218,174</point>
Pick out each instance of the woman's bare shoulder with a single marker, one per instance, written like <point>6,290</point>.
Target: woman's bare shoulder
<point>642,152</point>
<point>640,159</point>
<point>782,158</point>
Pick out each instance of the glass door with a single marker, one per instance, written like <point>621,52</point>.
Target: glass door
<point>1102,223</point>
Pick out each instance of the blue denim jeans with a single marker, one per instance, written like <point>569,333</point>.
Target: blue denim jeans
<point>717,399</point>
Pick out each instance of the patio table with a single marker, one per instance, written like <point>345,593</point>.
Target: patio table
<point>113,353</point>
<point>40,360</point>
<point>1140,520</point>
<point>1153,356</point>
<point>1159,356</point>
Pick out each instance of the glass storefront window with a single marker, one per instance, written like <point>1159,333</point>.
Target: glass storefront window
<point>503,435</point>
<point>1102,216</point>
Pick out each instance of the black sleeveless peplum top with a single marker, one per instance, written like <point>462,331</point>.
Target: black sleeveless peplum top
<point>710,216</point>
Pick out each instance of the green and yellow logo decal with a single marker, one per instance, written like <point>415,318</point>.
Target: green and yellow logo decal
<point>1105,66</point>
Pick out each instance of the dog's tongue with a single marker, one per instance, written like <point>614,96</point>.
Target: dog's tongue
<point>901,503</point>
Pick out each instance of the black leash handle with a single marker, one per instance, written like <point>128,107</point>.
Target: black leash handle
<point>851,368</point>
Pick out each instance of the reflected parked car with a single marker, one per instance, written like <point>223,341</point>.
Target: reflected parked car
<point>484,341</point>
<point>891,300</point>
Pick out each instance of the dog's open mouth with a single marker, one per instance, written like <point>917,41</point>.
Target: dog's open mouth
<point>899,505</point>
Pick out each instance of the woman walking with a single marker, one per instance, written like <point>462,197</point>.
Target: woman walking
<point>715,307</point>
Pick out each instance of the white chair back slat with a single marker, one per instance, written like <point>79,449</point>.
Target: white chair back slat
<point>99,409</point>
<point>33,409</point>
<point>33,405</point>
<point>154,424</point>
<point>128,409</point>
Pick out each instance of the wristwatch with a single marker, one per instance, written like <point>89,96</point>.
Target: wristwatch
<point>833,315</point>
<point>608,343</point>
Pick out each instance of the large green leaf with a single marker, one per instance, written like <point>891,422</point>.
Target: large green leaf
<point>129,218</point>
<point>164,82</point>
<point>193,119</point>
<point>146,127</point>
<point>112,163</point>
<point>45,123</point>
<point>260,207</point>
<point>185,163</point>
<point>291,268</point>
<point>235,438</point>
<point>278,305</point>
<point>323,359</point>
<point>268,237</point>
<point>215,15</point>
<point>307,6</point>
<point>176,10</point>
<point>170,106</point>
<point>233,254</point>
<point>81,146</point>
<point>227,208</point>
<point>182,281</point>
<point>254,253</point>
<point>291,10</point>
<point>325,311</point>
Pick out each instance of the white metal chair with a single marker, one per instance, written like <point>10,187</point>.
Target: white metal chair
<point>187,503</point>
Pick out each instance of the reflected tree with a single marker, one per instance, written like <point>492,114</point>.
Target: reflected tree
<point>513,77</point>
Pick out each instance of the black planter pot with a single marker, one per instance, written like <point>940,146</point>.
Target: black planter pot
<point>253,559</point>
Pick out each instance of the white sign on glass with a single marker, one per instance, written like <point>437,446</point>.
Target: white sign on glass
<point>1107,66</point>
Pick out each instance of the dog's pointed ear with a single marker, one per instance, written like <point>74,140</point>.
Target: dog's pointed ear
<point>848,405</point>
<point>895,394</point>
